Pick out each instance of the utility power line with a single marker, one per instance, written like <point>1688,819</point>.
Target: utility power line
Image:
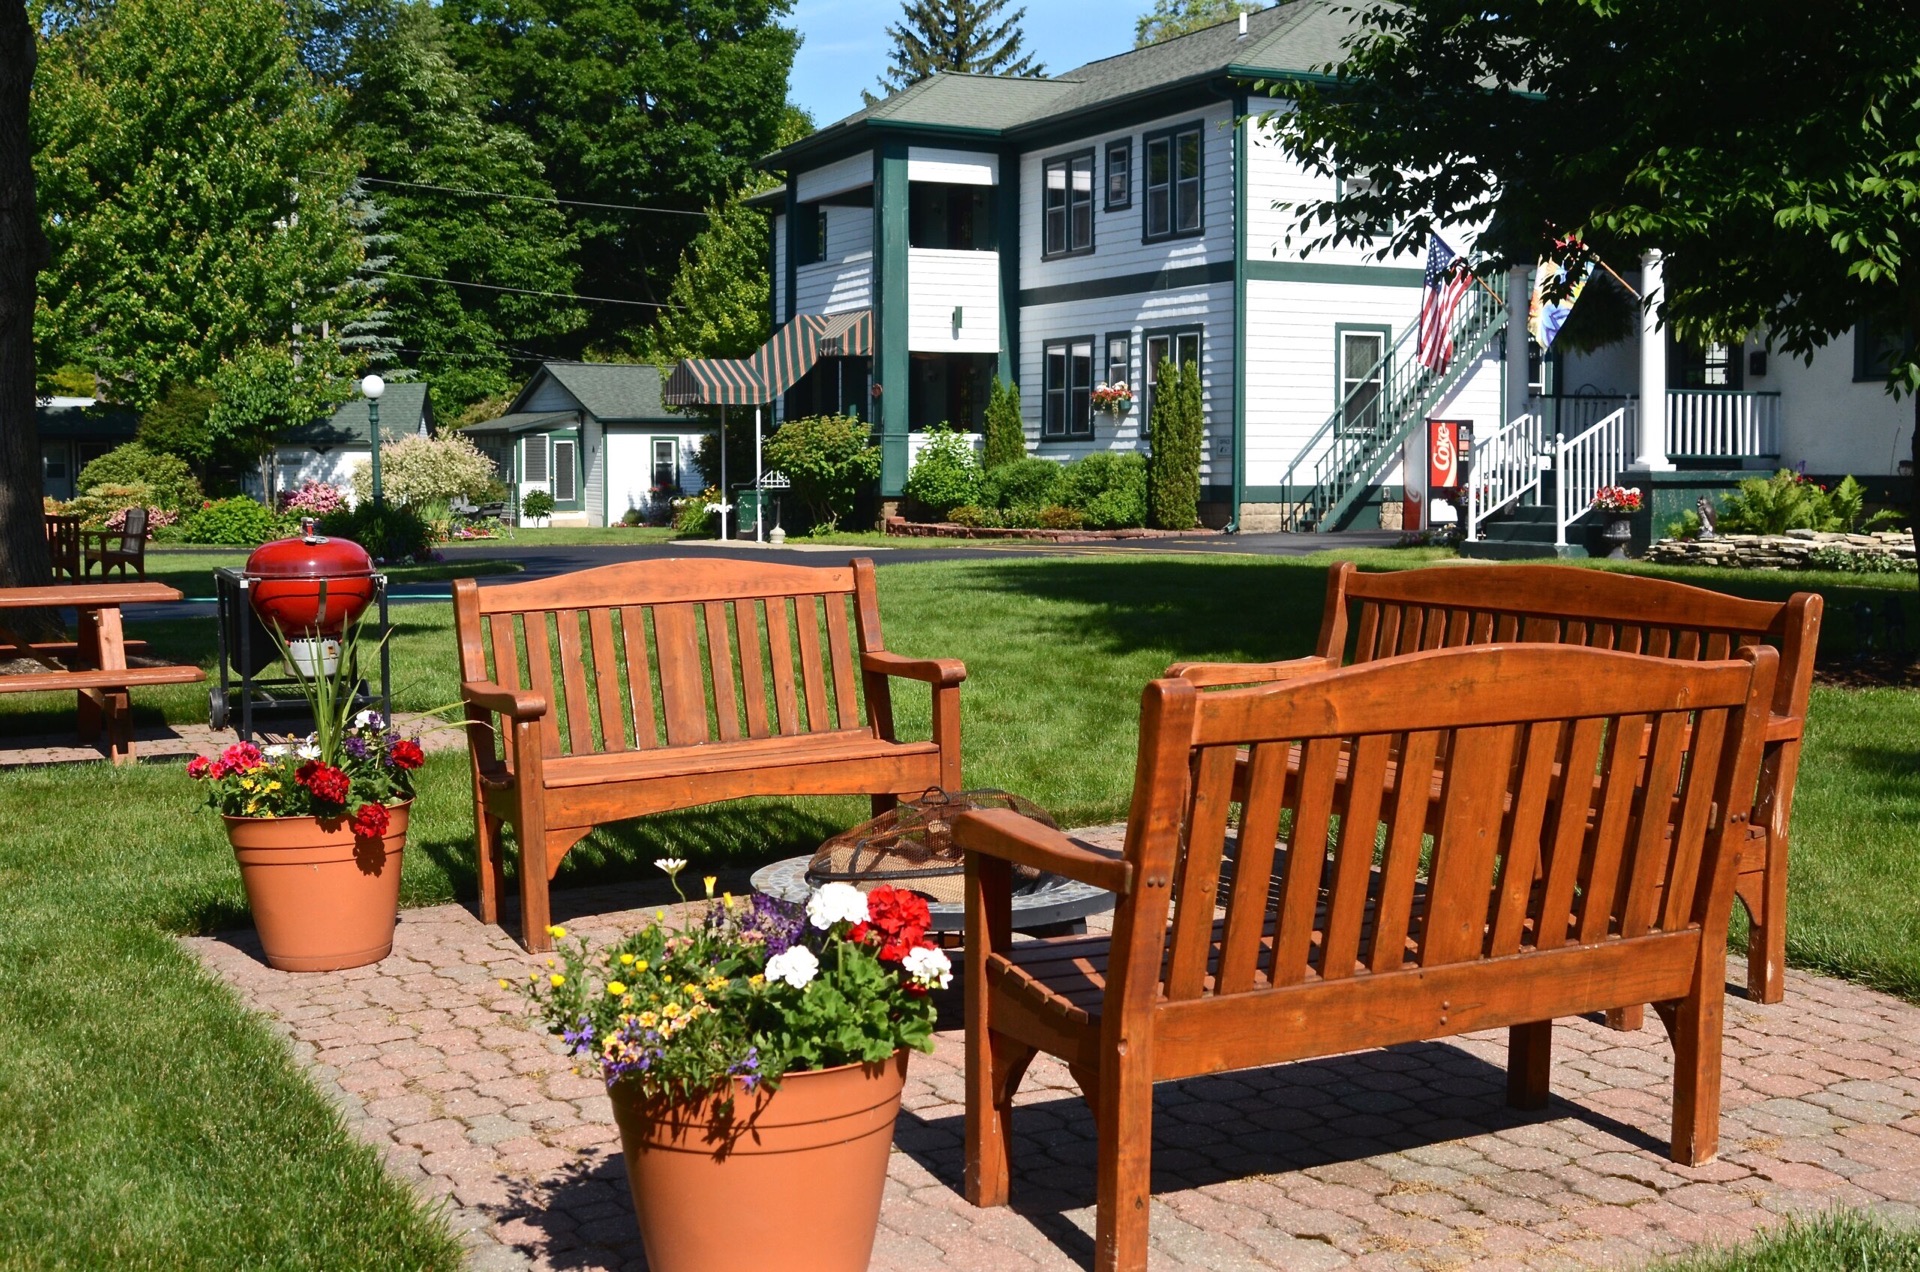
<point>520,291</point>
<point>534,198</point>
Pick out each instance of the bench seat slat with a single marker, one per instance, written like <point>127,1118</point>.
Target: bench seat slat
<point>727,757</point>
<point>116,678</point>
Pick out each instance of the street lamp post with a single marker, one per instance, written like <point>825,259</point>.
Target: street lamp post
<point>373,386</point>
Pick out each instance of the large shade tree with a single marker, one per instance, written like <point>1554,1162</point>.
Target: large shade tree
<point>662,103</point>
<point>1771,153</point>
<point>23,545</point>
<point>195,188</point>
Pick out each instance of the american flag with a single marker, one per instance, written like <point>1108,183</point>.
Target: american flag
<point>1445,287</point>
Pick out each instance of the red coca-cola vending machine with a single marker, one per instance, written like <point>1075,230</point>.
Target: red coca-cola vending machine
<point>1434,463</point>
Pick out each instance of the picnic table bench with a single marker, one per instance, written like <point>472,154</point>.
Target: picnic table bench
<point>94,664</point>
<point>652,686</point>
<point>1577,897</point>
<point>1369,616</point>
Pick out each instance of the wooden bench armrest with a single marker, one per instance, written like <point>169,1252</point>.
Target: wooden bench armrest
<point>1214,674</point>
<point>1784,728</point>
<point>935,671</point>
<point>1003,833</point>
<point>515,704</point>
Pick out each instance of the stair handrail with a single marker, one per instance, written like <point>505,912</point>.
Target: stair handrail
<point>1503,469</point>
<point>1350,456</point>
<point>1582,466</point>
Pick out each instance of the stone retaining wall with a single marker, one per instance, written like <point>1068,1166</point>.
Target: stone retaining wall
<point>1793,550</point>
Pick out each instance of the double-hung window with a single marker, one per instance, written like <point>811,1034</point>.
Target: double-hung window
<point>1173,183</point>
<point>666,463</point>
<point>1177,347</point>
<point>1068,218</point>
<point>1068,396</point>
<point>1119,175</point>
<point>1120,359</point>
<point>1362,379</point>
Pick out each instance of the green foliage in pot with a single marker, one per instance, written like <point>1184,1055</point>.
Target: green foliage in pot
<point>1006,433</point>
<point>946,474</point>
<point>829,459</point>
<point>748,990</point>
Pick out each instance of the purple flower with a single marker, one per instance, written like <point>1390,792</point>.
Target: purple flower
<point>581,1039</point>
<point>748,1070</point>
<point>780,922</point>
<point>356,746</point>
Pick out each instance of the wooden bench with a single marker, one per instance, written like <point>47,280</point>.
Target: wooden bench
<point>94,664</point>
<point>63,545</point>
<point>1578,898</point>
<point>759,677</point>
<point>1369,616</point>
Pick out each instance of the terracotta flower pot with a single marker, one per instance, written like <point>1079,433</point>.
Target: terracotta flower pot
<point>792,1181</point>
<point>321,899</point>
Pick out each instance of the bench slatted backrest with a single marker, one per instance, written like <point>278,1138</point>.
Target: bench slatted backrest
<point>133,534</point>
<point>1371,616</point>
<point>1520,860</point>
<point>675,653</point>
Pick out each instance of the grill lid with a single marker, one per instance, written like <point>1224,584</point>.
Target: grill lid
<point>310,556</point>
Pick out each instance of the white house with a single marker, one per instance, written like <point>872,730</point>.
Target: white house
<point>1067,231</point>
<point>328,450</point>
<point>596,437</point>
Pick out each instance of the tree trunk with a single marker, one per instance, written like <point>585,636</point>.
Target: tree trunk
<point>23,250</point>
<point>1913,474</point>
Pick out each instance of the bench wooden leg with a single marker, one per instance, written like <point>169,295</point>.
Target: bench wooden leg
<point>1696,1028</point>
<point>1627,1019</point>
<point>1764,895</point>
<point>89,714</point>
<point>491,861</point>
<point>1125,1123</point>
<point>536,914</point>
<point>884,804</point>
<point>1529,1064</point>
<point>119,722</point>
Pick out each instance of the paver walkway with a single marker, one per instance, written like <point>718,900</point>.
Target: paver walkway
<point>1399,1159</point>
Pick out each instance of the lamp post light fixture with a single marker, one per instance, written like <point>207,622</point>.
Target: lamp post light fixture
<point>373,386</point>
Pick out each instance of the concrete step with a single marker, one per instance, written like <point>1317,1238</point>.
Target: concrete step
<point>1513,550</point>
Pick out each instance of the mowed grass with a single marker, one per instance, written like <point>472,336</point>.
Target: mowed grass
<point>147,1120</point>
<point>1831,1243</point>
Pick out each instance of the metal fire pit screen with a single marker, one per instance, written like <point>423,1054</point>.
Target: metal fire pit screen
<point>912,846</point>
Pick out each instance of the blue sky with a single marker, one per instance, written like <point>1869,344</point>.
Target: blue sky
<point>846,44</point>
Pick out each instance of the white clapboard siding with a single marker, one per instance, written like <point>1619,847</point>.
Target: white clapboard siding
<point>593,437</point>
<point>941,282</point>
<point>835,178</point>
<point>550,396</point>
<point>781,301</point>
<point>952,167</point>
<point>1210,308</point>
<point>630,467</point>
<point>1293,368</point>
<point>834,288</point>
<point>1117,245</point>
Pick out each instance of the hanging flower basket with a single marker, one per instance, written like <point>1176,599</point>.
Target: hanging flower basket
<point>1115,399</point>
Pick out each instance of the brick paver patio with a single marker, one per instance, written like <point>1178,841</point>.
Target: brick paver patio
<point>1398,1159</point>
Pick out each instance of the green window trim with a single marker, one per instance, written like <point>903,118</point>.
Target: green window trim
<point>1118,175</point>
<point>1341,330</point>
<point>1175,186</point>
<point>1069,163</point>
<point>1178,341</point>
<point>1068,423</point>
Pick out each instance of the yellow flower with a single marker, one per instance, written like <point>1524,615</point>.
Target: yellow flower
<point>549,962</point>
<point>626,960</point>
<point>670,1010</point>
<point>647,1020</point>
<point>756,980</point>
<point>557,979</point>
<point>616,988</point>
<point>710,881</point>
<point>717,984</point>
<point>503,983</point>
<point>640,966</point>
<point>727,897</point>
<point>660,916</point>
<point>556,932</point>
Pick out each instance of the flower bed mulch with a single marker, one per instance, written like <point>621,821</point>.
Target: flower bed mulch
<point>951,530</point>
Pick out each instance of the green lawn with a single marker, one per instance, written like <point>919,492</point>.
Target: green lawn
<point>1832,1243</point>
<point>192,572</point>
<point>116,1039</point>
<point>573,536</point>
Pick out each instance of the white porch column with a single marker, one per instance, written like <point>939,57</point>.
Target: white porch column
<point>1519,296</point>
<point>1651,450</point>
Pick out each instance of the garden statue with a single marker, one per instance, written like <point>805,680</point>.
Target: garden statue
<point>1705,505</point>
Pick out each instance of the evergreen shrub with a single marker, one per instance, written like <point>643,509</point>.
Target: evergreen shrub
<point>946,474</point>
<point>1174,468</point>
<point>393,532</point>
<point>1108,488</point>
<point>1006,433</point>
<point>1023,481</point>
<point>170,483</point>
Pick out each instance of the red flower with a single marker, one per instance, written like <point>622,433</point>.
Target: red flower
<point>901,918</point>
<point>406,754</point>
<point>371,821</point>
<point>199,766</point>
<point>242,757</point>
<point>328,784</point>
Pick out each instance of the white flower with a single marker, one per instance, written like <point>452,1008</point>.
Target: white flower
<point>672,865</point>
<point>929,968</point>
<point>308,751</point>
<point>837,903</point>
<point>368,719</point>
<point>277,751</point>
<point>795,965</point>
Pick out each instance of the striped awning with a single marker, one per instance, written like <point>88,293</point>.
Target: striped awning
<point>777,367</point>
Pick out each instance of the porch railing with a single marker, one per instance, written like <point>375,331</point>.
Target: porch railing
<point>1722,424</point>
<point>1504,468</point>
<point>1583,465</point>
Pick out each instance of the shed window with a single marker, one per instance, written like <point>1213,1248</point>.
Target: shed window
<point>666,464</point>
<point>1069,205</point>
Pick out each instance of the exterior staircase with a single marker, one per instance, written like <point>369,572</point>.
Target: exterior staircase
<point>1347,455</point>
<point>1522,532</point>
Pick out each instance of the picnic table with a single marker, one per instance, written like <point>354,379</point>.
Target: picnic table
<point>94,663</point>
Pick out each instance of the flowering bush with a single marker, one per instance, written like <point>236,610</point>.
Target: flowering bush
<point>419,469</point>
<point>1115,399</point>
<point>750,990</point>
<point>1617,499</point>
<point>116,522</point>
<point>370,769</point>
<point>313,499</point>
